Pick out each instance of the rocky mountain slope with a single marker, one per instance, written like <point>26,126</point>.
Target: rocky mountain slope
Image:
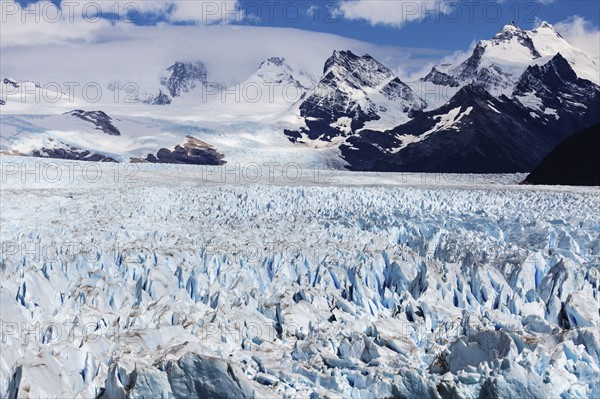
<point>574,162</point>
<point>353,90</point>
<point>497,64</point>
<point>478,132</point>
<point>502,109</point>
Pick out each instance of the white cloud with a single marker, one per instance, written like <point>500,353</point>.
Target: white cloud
<point>196,11</point>
<point>140,54</point>
<point>391,12</point>
<point>71,46</point>
<point>453,58</point>
<point>581,33</point>
<point>44,23</point>
<point>77,21</point>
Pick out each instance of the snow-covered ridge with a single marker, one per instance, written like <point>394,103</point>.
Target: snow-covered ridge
<point>357,103</point>
<point>268,93</point>
<point>297,291</point>
<point>451,120</point>
<point>377,121</point>
<point>276,70</point>
<point>497,63</point>
<point>354,92</point>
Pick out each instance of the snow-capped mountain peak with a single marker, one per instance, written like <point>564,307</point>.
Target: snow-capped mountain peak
<point>498,63</point>
<point>553,90</point>
<point>548,26</point>
<point>177,80</point>
<point>268,93</point>
<point>354,90</point>
<point>549,42</point>
<point>358,71</point>
<point>278,61</point>
<point>184,77</point>
<point>506,55</point>
<point>511,35</point>
<point>277,71</point>
<point>340,58</point>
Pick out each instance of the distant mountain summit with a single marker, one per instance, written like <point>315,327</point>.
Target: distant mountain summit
<point>353,90</point>
<point>557,96</point>
<point>276,71</point>
<point>270,91</point>
<point>497,64</point>
<point>515,97</point>
<point>184,77</point>
<point>181,78</point>
<point>501,109</point>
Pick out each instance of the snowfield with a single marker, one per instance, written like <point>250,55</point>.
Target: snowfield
<point>124,280</point>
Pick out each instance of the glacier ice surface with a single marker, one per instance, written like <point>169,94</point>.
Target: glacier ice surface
<point>172,286</point>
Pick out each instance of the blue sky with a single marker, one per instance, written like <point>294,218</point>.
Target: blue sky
<point>467,21</point>
<point>460,23</point>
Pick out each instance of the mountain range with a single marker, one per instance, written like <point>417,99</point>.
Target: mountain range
<point>500,110</point>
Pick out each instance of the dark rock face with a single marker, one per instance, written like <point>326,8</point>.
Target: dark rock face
<point>476,132</point>
<point>74,154</point>
<point>11,82</point>
<point>441,78</point>
<point>160,99</point>
<point>473,132</point>
<point>513,31</point>
<point>492,78</point>
<point>99,119</point>
<point>574,162</point>
<point>278,61</point>
<point>193,152</point>
<point>184,77</point>
<point>403,95</point>
<point>343,92</point>
<point>568,103</point>
<point>468,68</point>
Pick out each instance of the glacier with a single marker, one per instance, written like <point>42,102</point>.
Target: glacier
<point>166,281</point>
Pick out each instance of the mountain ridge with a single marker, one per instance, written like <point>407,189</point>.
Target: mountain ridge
<point>359,113</point>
